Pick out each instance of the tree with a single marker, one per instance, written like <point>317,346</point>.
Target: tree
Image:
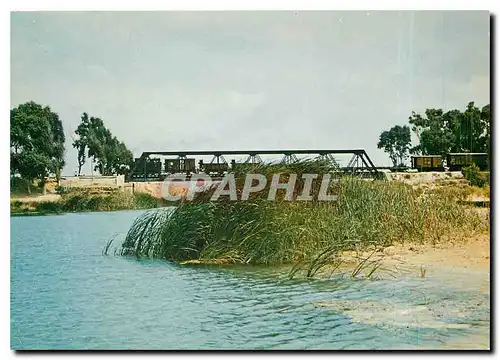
<point>118,157</point>
<point>396,142</point>
<point>93,140</point>
<point>486,126</point>
<point>36,142</point>
<point>80,142</point>
<point>441,132</point>
<point>433,131</point>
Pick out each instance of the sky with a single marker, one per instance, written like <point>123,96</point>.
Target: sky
<point>248,80</point>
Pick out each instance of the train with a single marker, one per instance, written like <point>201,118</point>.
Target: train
<point>454,162</point>
<point>152,169</point>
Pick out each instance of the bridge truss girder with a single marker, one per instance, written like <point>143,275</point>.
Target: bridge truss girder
<point>360,163</point>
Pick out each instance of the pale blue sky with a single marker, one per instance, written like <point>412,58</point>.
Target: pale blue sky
<point>248,80</point>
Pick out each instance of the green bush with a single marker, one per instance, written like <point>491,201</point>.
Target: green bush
<point>145,201</point>
<point>16,204</point>
<point>62,190</point>
<point>49,207</point>
<point>86,200</point>
<point>475,176</point>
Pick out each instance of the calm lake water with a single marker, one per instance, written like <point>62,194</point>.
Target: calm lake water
<point>66,295</point>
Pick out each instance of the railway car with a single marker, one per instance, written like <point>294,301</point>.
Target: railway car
<point>188,165</point>
<point>146,168</point>
<point>183,165</point>
<point>457,161</point>
<point>427,163</point>
<point>213,168</point>
<point>172,166</point>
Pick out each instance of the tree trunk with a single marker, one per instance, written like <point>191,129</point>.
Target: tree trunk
<point>29,188</point>
<point>43,183</point>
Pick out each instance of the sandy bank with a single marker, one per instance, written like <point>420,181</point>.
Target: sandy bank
<point>469,257</point>
<point>463,267</point>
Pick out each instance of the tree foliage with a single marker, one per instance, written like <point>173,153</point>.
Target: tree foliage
<point>442,132</point>
<point>36,142</point>
<point>396,142</point>
<point>95,141</point>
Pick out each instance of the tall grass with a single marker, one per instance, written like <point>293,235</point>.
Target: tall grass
<point>308,234</point>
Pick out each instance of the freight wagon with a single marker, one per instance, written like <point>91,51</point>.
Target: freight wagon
<point>457,161</point>
<point>427,163</point>
<point>182,165</point>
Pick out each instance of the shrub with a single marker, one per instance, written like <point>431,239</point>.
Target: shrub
<point>475,176</point>
<point>62,190</point>
<point>87,200</point>
<point>145,201</point>
<point>16,204</point>
<point>49,207</point>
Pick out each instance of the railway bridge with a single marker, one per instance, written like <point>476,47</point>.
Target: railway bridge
<point>149,167</point>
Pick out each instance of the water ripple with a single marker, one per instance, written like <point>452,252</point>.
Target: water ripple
<point>65,295</point>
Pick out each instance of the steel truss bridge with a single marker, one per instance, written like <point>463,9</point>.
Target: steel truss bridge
<point>359,164</point>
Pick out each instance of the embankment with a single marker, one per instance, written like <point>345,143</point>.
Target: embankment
<point>80,200</point>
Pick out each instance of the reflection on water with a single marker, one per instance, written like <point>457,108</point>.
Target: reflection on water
<point>66,295</point>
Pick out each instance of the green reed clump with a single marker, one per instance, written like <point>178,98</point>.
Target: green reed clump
<point>195,230</point>
<point>311,234</point>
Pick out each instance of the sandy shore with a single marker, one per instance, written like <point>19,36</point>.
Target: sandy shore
<point>472,254</point>
<point>465,265</point>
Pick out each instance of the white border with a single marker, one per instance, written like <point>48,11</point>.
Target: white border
<point>80,5</point>
<point>32,5</point>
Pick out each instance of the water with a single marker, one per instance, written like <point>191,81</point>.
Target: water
<point>66,295</point>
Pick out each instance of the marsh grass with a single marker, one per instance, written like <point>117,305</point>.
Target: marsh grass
<point>308,235</point>
<point>268,170</point>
